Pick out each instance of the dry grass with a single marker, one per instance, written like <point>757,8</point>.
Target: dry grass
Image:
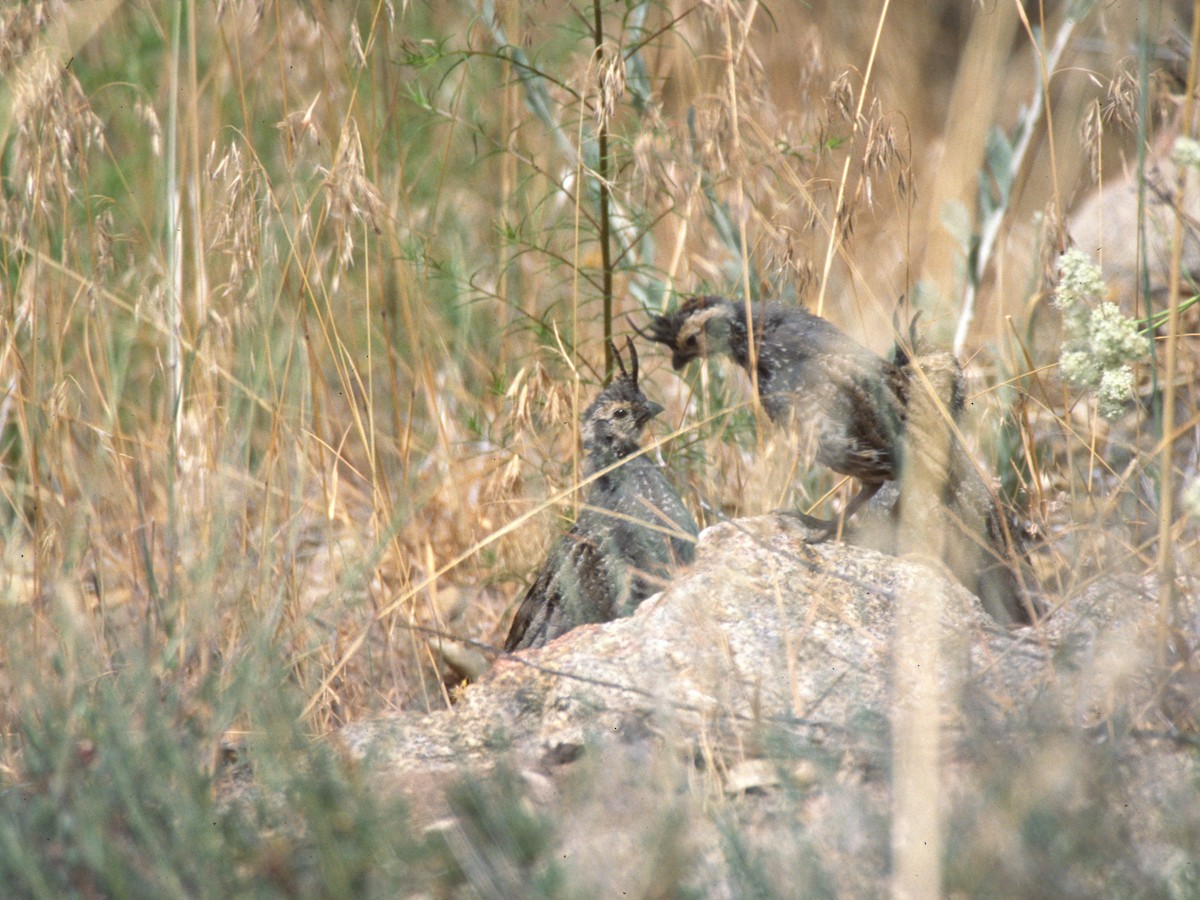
<point>302,302</point>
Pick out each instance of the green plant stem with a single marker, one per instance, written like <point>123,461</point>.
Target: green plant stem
<point>1166,557</point>
<point>605,236</point>
<point>1152,323</point>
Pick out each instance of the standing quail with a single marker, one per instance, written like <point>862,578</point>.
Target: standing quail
<point>855,405</point>
<point>632,532</point>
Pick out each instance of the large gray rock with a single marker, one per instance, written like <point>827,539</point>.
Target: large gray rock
<point>738,734</point>
<point>761,628</point>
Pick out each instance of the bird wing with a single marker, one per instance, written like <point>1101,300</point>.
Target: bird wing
<point>666,511</point>
<point>574,587</point>
<point>534,602</point>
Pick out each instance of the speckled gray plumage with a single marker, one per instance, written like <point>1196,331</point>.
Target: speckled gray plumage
<point>855,406</point>
<point>632,532</point>
<point>810,375</point>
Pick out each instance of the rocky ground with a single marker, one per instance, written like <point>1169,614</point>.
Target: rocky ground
<point>737,735</point>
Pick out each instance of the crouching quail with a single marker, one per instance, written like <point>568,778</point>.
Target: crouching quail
<point>633,531</point>
<point>853,405</point>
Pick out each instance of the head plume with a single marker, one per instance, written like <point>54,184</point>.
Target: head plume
<point>613,423</point>
<point>631,374</point>
<point>698,327</point>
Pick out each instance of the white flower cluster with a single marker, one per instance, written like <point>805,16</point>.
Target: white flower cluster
<point>1191,497</point>
<point>1186,153</point>
<point>1099,342</point>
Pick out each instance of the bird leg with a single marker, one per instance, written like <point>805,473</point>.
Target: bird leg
<point>826,528</point>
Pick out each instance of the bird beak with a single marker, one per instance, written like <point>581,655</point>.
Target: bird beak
<point>651,410</point>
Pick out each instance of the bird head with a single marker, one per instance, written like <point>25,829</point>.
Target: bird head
<point>700,327</point>
<point>613,423</point>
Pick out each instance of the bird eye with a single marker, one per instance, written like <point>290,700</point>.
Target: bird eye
<point>620,413</point>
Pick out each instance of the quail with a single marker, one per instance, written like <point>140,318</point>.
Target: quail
<point>633,531</point>
<point>981,542</point>
<point>854,405</point>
